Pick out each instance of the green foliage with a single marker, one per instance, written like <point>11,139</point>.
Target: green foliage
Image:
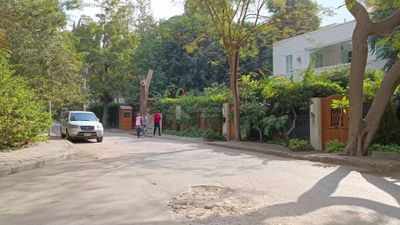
<point>389,129</point>
<point>268,104</point>
<point>43,53</point>
<point>108,45</point>
<point>372,83</point>
<point>191,132</point>
<point>387,46</point>
<point>299,145</point>
<point>113,115</point>
<point>214,136</point>
<point>334,146</point>
<point>274,127</point>
<point>23,118</point>
<point>209,104</point>
<point>295,17</point>
<point>385,148</point>
<point>341,104</point>
<point>338,76</point>
<point>182,55</point>
<point>187,52</point>
<point>97,108</point>
<point>196,132</point>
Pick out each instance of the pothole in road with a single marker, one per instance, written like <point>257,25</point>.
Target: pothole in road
<point>205,201</point>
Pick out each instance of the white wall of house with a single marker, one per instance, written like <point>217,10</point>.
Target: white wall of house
<point>329,43</point>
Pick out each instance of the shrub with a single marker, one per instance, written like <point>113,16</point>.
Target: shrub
<point>191,132</point>
<point>334,146</point>
<point>209,135</point>
<point>300,145</point>
<point>214,136</point>
<point>385,148</point>
<point>23,117</point>
<point>389,128</point>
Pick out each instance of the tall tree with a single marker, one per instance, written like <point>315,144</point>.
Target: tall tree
<point>181,55</point>
<point>294,17</point>
<point>237,23</point>
<point>5,21</point>
<point>43,52</point>
<point>109,45</point>
<point>362,130</point>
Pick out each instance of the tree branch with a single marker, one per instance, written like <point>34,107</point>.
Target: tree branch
<point>360,13</point>
<point>386,25</point>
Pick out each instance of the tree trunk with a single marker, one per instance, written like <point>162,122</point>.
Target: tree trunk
<point>362,131</point>
<point>379,105</point>
<point>233,66</point>
<point>105,115</point>
<point>340,125</point>
<point>143,97</point>
<point>358,65</point>
<point>144,91</point>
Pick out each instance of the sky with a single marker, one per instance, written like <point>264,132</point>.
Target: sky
<point>163,9</point>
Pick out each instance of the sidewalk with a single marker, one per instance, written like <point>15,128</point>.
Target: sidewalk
<point>378,162</point>
<point>36,156</point>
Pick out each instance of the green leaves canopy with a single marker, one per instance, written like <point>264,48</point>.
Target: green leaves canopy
<point>42,52</point>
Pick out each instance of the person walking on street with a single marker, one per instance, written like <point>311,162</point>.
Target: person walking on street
<point>138,124</point>
<point>145,122</point>
<point>157,120</point>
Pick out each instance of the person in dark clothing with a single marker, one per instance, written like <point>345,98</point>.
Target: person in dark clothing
<point>157,120</point>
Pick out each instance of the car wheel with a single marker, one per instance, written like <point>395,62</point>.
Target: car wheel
<point>99,139</point>
<point>62,134</point>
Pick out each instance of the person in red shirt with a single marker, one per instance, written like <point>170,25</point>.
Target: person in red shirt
<point>157,120</point>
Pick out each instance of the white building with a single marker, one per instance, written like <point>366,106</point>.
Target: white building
<point>330,46</point>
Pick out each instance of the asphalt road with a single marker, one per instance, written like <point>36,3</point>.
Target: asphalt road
<point>126,180</point>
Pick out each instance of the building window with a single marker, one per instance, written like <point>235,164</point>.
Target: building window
<point>347,56</point>
<point>318,59</point>
<point>289,64</point>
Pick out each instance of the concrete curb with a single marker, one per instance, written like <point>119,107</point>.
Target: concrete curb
<point>69,151</point>
<point>372,165</point>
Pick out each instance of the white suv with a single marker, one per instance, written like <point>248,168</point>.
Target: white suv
<point>81,125</point>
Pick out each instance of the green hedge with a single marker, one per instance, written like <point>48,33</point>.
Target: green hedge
<point>197,133</point>
<point>192,106</point>
<point>23,118</point>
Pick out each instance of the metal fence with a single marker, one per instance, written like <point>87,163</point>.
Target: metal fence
<point>302,128</point>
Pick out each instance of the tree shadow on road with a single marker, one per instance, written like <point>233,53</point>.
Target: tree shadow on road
<point>320,196</point>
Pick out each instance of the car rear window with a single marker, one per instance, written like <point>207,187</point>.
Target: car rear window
<point>82,117</point>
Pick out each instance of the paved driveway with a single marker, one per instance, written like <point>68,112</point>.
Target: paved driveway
<point>126,180</point>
